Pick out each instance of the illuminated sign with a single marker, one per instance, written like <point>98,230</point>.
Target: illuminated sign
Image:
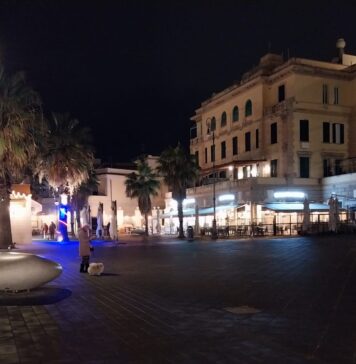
<point>289,194</point>
<point>62,213</point>
<point>188,201</point>
<point>228,197</point>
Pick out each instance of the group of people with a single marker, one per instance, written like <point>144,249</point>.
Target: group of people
<point>49,231</point>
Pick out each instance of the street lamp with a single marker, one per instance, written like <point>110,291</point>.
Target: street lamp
<point>211,128</point>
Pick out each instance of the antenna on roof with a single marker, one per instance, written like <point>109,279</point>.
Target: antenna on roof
<point>340,45</point>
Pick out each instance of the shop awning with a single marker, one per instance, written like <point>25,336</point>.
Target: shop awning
<point>295,207</point>
<point>186,212</point>
<point>210,210</point>
<point>202,212</point>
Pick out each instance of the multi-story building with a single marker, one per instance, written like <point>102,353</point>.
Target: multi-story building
<point>112,188</point>
<point>283,128</point>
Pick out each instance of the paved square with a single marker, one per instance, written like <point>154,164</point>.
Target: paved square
<point>287,300</point>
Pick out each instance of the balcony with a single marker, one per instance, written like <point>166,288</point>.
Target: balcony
<point>195,141</point>
<point>280,108</point>
<point>224,184</point>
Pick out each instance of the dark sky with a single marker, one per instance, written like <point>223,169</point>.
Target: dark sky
<point>136,71</point>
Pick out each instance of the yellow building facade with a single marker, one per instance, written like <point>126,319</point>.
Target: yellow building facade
<point>284,127</point>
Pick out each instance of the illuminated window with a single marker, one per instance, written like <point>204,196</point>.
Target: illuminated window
<point>338,133</point>
<point>244,172</point>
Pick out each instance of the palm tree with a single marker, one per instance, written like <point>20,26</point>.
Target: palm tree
<point>179,171</point>
<point>80,195</point>
<point>66,158</point>
<point>19,128</point>
<point>142,185</point>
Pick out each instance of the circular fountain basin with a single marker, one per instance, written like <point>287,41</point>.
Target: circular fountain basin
<point>23,271</point>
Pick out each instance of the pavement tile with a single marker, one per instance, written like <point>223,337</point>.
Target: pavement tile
<point>7,349</point>
<point>164,302</point>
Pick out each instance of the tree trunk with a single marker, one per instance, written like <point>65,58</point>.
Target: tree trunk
<point>78,222</point>
<point>180,218</point>
<point>146,224</point>
<point>72,233</point>
<point>5,223</point>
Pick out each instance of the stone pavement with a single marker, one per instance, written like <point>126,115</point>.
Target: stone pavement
<point>169,301</point>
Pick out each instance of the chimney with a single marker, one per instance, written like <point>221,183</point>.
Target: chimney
<point>340,45</point>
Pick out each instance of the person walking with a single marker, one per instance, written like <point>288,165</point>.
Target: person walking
<point>85,248</point>
<point>45,231</point>
<point>52,230</point>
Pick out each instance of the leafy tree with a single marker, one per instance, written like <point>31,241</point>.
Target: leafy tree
<point>66,158</point>
<point>179,171</point>
<point>20,129</point>
<point>142,185</point>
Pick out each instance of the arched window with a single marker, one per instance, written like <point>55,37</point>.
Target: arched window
<point>223,119</point>
<point>235,114</point>
<point>248,108</point>
<point>213,124</point>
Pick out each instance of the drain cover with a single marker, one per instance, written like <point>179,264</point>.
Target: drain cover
<point>242,310</point>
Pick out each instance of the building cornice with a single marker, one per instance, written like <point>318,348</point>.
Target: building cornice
<point>113,172</point>
<point>293,66</point>
<point>222,96</point>
<point>235,163</point>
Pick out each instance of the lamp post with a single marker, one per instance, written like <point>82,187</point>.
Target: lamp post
<point>211,128</point>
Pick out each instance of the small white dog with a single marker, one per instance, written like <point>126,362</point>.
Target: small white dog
<point>95,269</point>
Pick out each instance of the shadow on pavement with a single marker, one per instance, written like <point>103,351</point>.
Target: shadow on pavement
<point>109,274</point>
<point>38,296</point>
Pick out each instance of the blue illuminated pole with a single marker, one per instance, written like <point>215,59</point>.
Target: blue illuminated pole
<point>62,218</point>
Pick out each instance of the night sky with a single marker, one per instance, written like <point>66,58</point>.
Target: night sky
<point>136,71</point>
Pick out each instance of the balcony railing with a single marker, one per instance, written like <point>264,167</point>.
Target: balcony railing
<point>344,166</point>
<point>281,107</point>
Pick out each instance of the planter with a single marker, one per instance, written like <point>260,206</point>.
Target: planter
<point>22,271</point>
